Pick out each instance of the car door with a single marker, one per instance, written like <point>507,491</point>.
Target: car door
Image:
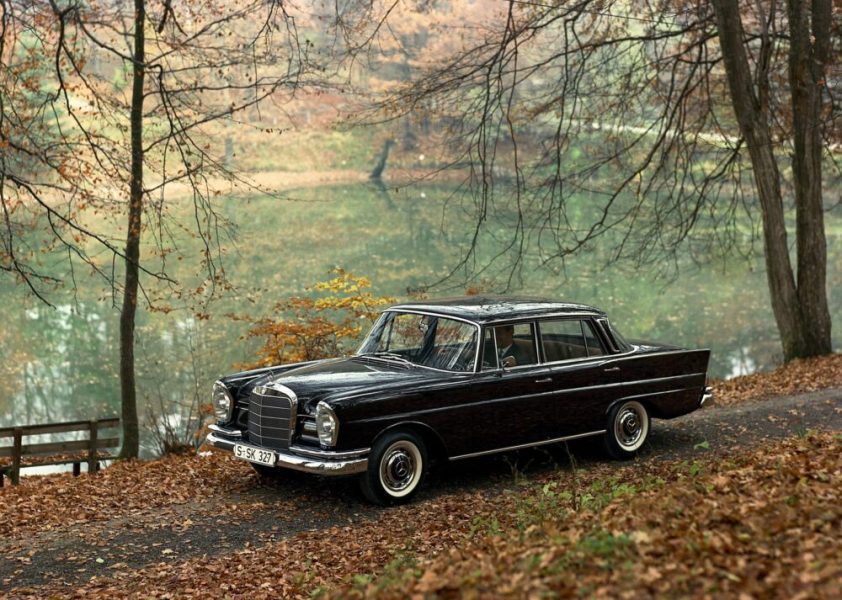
<point>583,378</point>
<point>505,406</point>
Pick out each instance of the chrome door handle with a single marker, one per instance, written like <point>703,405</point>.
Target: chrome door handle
<point>544,380</point>
<point>611,370</point>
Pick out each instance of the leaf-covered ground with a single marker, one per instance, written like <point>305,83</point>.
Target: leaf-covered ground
<point>758,524</point>
<point>717,504</point>
<point>797,376</point>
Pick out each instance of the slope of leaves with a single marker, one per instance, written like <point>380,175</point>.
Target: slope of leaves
<point>725,525</point>
<point>765,525</point>
<point>42,503</point>
<point>798,376</point>
<point>758,523</point>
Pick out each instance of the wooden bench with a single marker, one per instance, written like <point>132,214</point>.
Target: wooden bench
<point>73,452</point>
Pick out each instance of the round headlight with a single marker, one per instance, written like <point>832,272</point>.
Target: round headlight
<point>327,425</point>
<point>223,404</point>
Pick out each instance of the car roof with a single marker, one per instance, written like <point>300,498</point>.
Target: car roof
<point>496,308</point>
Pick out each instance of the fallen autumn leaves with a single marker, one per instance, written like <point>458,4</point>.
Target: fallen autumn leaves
<point>800,375</point>
<point>760,523</point>
<point>42,503</point>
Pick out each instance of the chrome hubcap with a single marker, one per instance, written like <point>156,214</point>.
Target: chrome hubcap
<point>398,468</point>
<point>630,427</point>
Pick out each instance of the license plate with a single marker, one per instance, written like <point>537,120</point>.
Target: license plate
<point>255,455</point>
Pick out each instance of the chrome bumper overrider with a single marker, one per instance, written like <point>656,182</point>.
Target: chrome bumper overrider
<point>707,396</point>
<point>307,460</point>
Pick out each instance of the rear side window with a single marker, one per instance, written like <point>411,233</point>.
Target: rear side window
<point>562,340</point>
<point>565,339</point>
<point>592,340</point>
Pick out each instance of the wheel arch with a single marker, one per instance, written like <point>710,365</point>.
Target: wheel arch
<point>436,449</point>
<point>643,399</point>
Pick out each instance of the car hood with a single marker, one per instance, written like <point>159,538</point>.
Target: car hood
<point>342,376</point>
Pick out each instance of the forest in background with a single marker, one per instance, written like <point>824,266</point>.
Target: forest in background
<point>545,118</point>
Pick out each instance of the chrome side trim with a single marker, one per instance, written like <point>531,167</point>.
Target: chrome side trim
<point>566,438</point>
<point>650,394</point>
<point>285,460</point>
<point>550,393</point>
<point>707,396</point>
<point>231,433</point>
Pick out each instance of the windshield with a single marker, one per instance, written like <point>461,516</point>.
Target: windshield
<point>423,340</point>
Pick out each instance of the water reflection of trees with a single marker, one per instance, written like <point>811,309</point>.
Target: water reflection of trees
<point>59,365</point>
<point>56,364</point>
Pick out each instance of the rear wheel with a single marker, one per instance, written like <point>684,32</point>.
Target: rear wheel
<point>627,429</point>
<point>396,467</point>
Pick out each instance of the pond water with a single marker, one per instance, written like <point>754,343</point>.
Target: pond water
<point>61,364</point>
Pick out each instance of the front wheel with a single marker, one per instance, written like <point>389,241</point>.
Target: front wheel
<point>627,429</point>
<point>396,468</point>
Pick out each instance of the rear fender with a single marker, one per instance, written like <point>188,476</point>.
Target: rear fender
<point>669,384</point>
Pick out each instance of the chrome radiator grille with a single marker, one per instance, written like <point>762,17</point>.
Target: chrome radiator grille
<point>271,417</point>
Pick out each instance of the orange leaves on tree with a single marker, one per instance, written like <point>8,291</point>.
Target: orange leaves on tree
<point>320,325</point>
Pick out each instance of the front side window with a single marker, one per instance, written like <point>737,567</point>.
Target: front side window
<point>423,340</point>
<point>515,344</point>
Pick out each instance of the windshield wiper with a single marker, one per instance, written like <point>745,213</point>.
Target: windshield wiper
<point>388,356</point>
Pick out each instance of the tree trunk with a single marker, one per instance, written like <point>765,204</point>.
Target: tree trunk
<point>131,430</point>
<point>800,309</point>
<point>381,160</point>
<point>808,58</point>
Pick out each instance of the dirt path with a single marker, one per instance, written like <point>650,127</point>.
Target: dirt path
<point>270,511</point>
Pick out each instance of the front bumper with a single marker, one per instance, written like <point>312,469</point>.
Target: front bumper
<point>307,460</point>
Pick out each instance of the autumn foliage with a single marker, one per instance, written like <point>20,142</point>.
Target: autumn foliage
<point>321,325</point>
<point>753,522</point>
<point>797,376</point>
<point>759,524</point>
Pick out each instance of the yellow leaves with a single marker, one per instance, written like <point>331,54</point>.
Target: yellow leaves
<point>322,325</point>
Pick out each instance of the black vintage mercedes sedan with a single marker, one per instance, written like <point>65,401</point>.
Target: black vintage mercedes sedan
<point>453,379</point>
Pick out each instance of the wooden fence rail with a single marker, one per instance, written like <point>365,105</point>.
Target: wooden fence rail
<point>87,447</point>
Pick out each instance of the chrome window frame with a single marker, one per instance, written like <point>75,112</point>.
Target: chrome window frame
<point>596,336</point>
<point>425,313</point>
<point>500,367</point>
<point>496,366</point>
